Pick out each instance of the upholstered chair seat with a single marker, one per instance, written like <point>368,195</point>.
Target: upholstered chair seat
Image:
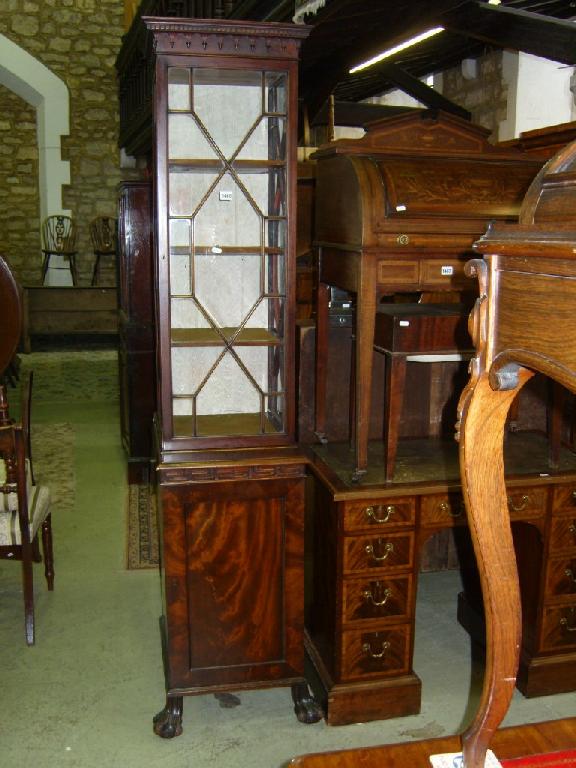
<point>38,503</point>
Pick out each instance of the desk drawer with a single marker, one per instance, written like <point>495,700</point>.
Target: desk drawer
<point>391,551</point>
<point>382,598</point>
<point>379,514</point>
<point>561,579</point>
<point>525,503</point>
<point>376,653</point>
<point>448,508</point>
<point>444,273</point>
<point>391,273</point>
<point>443,509</point>
<point>563,534</point>
<point>559,627</point>
<point>564,499</point>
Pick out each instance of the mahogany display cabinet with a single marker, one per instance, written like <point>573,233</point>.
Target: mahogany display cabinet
<point>136,348</point>
<point>230,481</point>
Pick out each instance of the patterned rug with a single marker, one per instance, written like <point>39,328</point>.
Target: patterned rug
<point>142,535</point>
<point>73,375</point>
<point>53,461</point>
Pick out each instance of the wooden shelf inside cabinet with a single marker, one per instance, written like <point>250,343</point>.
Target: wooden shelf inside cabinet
<point>225,250</point>
<point>203,337</point>
<point>201,164</point>
<point>223,424</point>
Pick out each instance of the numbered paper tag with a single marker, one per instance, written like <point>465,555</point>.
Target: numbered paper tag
<point>455,760</point>
<point>446,270</point>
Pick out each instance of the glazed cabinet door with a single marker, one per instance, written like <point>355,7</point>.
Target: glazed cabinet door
<point>226,284</point>
<point>234,582</point>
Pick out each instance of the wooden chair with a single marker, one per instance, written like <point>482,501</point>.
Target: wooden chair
<point>10,316</point>
<point>24,506</point>
<point>103,233</point>
<point>59,239</point>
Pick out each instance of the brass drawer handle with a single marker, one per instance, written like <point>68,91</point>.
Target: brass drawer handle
<point>388,549</point>
<point>524,501</point>
<point>367,648</point>
<point>445,507</point>
<point>572,528</point>
<point>372,513</point>
<point>570,573</point>
<point>574,496</point>
<point>367,595</point>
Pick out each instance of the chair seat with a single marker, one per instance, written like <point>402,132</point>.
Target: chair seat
<point>38,509</point>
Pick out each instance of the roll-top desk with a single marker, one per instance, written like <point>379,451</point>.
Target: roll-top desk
<point>398,211</point>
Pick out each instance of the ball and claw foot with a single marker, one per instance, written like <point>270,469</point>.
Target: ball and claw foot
<point>168,722</point>
<point>306,707</point>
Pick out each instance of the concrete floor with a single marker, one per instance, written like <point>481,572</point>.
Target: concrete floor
<point>84,696</point>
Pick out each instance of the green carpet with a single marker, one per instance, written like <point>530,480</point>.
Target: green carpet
<point>73,375</point>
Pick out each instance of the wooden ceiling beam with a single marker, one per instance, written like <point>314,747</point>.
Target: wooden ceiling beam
<point>419,90</point>
<point>505,27</point>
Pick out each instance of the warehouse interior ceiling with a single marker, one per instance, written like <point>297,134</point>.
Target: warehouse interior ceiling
<point>347,32</point>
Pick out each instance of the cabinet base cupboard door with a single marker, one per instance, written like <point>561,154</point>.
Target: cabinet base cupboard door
<point>233,574</point>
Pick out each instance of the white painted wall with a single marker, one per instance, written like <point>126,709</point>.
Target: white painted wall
<point>538,94</point>
<point>38,86</point>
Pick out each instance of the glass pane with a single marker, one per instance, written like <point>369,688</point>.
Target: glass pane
<point>266,189</point>
<point>228,286</point>
<point>186,140</point>
<point>267,141</point>
<point>180,274</point>
<point>275,274</point>
<point>228,390</point>
<point>185,315</point>
<point>228,102</point>
<point>275,83</point>
<point>274,411</point>
<point>190,367</point>
<point>178,88</point>
<point>275,234</point>
<point>187,188</point>
<point>227,219</point>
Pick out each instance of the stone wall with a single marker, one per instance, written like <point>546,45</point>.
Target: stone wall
<point>484,93</point>
<point>19,202</point>
<point>78,40</point>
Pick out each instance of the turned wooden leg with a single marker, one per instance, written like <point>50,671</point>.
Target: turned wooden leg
<point>48,553</point>
<point>45,264</point>
<point>482,429</point>
<point>306,707</point>
<point>365,322</point>
<point>28,589</point>
<point>168,722</point>
<point>393,399</point>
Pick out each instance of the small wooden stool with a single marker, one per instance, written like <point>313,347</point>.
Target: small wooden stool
<point>424,333</point>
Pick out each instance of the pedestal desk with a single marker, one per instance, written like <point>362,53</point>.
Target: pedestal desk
<point>523,322</point>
